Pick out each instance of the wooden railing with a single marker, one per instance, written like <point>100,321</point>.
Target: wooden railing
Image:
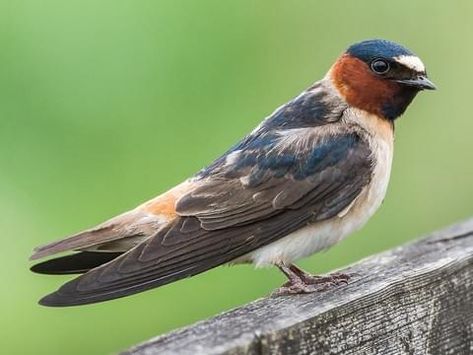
<point>414,299</point>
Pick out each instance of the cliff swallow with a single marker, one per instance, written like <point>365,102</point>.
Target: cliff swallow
<point>310,174</point>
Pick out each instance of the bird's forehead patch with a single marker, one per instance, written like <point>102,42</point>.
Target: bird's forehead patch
<point>412,62</point>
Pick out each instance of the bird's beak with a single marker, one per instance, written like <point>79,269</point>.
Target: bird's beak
<point>421,82</point>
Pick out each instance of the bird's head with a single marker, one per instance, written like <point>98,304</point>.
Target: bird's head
<point>380,77</point>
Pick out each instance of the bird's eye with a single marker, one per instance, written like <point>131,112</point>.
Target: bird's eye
<point>380,66</point>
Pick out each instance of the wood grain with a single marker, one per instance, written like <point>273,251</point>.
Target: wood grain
<point>415,299</point>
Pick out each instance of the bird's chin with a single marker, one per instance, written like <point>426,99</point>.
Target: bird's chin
<point>396,107</point>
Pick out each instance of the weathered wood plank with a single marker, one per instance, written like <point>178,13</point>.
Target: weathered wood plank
<point>415,299</point>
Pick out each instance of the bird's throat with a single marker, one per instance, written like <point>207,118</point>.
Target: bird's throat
<point>361,89</point>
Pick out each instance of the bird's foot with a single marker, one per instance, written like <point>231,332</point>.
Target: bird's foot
<point>334,279</point>
<point>299,287</point>
<point>301,282</point>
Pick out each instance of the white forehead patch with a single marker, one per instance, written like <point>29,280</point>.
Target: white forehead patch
<point>412,62</point>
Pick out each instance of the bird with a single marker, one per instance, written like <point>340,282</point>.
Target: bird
<point>310,174</point>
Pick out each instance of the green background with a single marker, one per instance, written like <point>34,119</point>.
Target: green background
<point>104,104</point>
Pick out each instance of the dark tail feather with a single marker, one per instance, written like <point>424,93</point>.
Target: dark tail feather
<point>74,264</point>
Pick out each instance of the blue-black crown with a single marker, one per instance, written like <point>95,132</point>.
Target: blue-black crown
<point>374,48</point>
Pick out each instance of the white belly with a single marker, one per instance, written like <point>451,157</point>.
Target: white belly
<point>323,235</point>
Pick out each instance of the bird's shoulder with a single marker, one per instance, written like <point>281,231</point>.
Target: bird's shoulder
<point>308,120</point>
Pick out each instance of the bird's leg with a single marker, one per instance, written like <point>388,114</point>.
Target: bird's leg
<point>300,281</point>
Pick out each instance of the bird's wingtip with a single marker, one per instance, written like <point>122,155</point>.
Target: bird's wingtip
<point>55,299</point>
<point>51,300</point>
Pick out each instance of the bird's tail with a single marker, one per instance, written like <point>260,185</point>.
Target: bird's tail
<point>98,245</point>
<point>77,263</point>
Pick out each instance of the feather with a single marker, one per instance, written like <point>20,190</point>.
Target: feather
<point>123,230</point>
<point>77,263</point>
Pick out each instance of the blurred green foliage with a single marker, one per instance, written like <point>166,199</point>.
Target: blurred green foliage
<point>104,104</point>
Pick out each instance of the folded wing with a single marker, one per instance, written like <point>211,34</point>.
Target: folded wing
<point>270,187</point>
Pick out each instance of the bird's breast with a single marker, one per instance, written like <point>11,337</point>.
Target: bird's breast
<point>380,136</point>
<point>324,234</point>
